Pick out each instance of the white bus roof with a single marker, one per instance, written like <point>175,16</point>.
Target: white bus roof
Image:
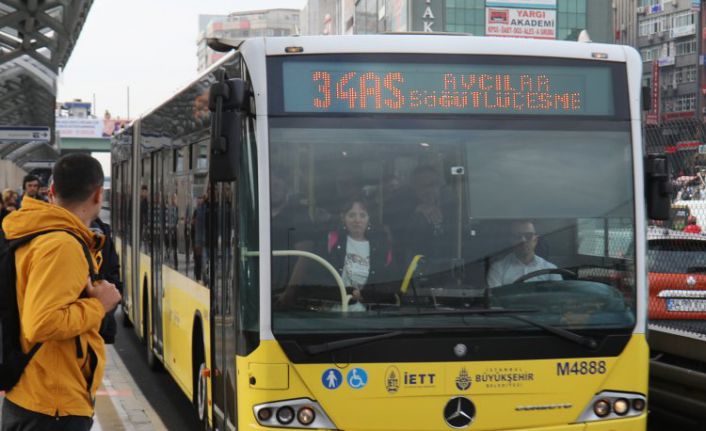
<point>444,44</point>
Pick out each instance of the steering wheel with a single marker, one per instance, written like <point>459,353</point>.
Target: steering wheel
<point>560,271</point>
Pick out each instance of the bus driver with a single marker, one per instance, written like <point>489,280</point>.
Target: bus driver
<point>522,260</point>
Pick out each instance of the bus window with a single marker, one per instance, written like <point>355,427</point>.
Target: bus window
<point>435,215</point>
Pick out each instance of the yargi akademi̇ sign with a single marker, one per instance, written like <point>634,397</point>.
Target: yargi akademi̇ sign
<point>528,23</point>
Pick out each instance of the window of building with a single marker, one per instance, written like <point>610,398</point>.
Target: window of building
<point>686,102</point>
<point>682,19</point>
<point>650,53</point>
<point>653,25</point>
<point>686,74</point>
<point>686,47</point>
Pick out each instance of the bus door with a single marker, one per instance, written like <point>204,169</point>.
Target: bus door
<point>126,218</point>
<point>158,197</point>
<point>222,254</point>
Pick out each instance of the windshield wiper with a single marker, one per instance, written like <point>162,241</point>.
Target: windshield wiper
<point>514,313</point>
<point>350,342</point>
<point>560,332</point>
<point>509,312</point>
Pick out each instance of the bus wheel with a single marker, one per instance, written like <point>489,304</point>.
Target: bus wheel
<point>200,397</point>
<point>126,319</point>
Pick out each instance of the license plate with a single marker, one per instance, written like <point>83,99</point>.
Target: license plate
<point>686,305</point>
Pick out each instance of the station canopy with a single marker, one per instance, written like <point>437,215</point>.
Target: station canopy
<point>36,40</point>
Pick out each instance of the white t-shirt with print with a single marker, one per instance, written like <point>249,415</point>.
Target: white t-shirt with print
<point>357,263</point>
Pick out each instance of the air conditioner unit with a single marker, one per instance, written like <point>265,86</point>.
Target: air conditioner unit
<point>640,10</point>
<point>675,3</point>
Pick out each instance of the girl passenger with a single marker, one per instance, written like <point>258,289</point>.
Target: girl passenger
<point>361,255</point>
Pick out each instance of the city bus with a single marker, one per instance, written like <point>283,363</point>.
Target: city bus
<point>395,232</point>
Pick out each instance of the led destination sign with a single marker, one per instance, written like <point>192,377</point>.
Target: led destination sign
<point>357,87</point>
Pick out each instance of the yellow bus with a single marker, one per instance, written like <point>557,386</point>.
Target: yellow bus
<point>395,232</point>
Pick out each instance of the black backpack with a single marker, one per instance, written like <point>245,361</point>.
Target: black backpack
<point>12,360</point>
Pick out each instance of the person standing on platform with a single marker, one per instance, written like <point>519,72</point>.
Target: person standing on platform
<point>30,187</point>
<point>59,306</point>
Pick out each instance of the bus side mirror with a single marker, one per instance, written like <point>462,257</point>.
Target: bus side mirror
<point>228,103</point>
<point>658,188</point>
<point>646,99</point>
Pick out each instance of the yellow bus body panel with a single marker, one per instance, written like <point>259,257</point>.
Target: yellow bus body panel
<point>503,392</point>
<point>184,300</point>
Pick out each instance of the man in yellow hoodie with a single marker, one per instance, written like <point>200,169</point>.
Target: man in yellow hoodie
<point>59,306</point>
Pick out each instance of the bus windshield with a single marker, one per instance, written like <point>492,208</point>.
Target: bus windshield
<point>421,216</point>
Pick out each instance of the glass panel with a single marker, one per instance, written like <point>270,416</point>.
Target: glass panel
<point>416,219</point>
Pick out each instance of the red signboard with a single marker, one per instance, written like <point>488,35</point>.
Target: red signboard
<point>653,114</point>
<point>679,115</point>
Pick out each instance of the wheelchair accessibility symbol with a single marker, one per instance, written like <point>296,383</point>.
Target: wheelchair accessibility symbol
<point>357,378</point>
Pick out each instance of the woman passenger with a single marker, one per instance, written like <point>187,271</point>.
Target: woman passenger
<point>361,255</point>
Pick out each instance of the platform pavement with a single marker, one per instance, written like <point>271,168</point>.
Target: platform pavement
<point>120,404</point>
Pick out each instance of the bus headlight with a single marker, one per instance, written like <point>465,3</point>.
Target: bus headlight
<point>601,408</point>
<point>281,414</point>
<point>621,406</point>
<point>306,415</point>
<point>638,404</point>
<point>265,414</point>
<point>613,405</point>
<point>285,415</point>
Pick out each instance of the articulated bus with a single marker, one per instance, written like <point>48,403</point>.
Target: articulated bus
<point>395,232</point>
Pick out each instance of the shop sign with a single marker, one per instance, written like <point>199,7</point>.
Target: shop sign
<point>534,4</point>
<point>428,16</point>
<point>666,61</point>
<point>527,23</point>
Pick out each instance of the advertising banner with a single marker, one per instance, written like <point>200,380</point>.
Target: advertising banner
<point>72,127</point>
<point>527,23</point>
<point>534,4</point>
<point>75,127</point>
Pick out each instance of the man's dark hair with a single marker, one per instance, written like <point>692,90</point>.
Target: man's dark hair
<point>76,177</point>
<point>28,179</point>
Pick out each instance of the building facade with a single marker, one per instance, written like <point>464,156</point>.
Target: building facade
<point>270,22</point>
<point>672,54</point>
<point>625,22</point>
<point>541,19</point>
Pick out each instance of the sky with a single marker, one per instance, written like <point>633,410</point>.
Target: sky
<point>146,45</point>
